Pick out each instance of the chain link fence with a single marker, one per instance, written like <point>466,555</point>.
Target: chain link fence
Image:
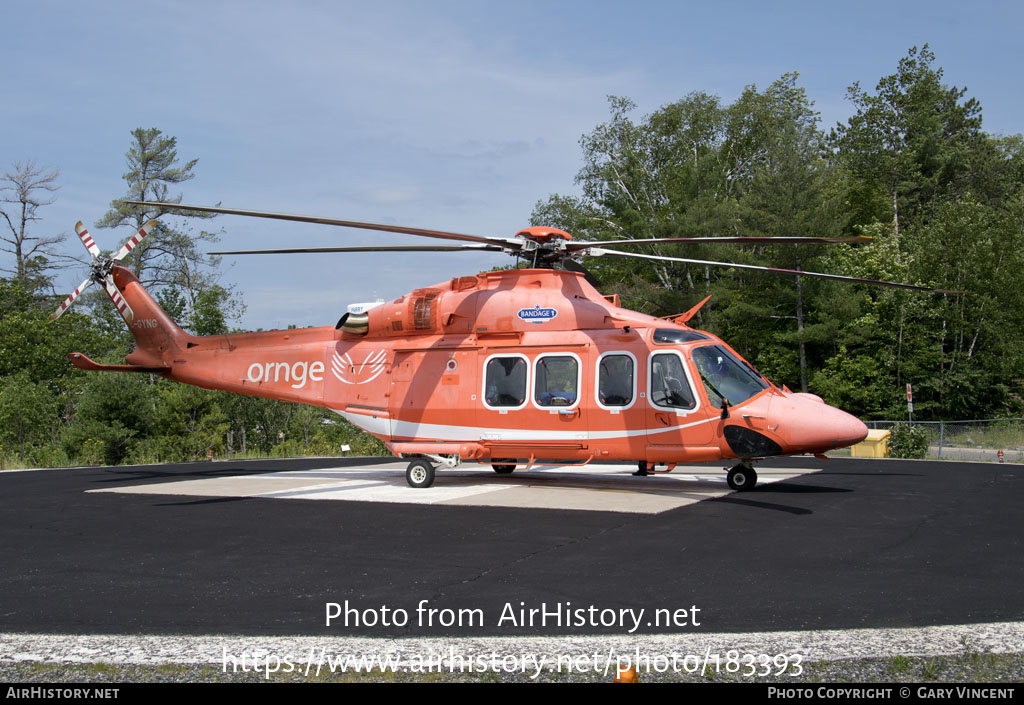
<point>979,439</point>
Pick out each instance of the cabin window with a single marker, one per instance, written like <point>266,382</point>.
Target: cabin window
<point>616,383</point>
<point>505,382</point>
<point>557,380</point>
<point>725,377</point>
<point>669,385</point>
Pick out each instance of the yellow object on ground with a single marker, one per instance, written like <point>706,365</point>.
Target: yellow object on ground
<point>876,445</point>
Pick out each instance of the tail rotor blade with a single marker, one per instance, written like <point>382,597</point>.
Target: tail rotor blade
<point>70,299</point>
<point>119,303</point>
<point>134,241</point>
<point>86,239</point>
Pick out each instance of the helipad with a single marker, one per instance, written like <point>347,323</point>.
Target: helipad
<point>604,488</point>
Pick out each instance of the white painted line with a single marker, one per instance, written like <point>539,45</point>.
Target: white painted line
<point>828,645</point>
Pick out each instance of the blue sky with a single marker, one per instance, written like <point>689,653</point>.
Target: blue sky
<point>450,115</point>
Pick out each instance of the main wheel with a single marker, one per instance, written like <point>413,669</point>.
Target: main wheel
<point>420,473</point>
<point>503,466</point>
<point>742,478</point>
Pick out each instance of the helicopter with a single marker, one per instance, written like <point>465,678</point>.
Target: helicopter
<point>507,367</point>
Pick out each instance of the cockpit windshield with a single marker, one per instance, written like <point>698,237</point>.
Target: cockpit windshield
<point>725,377</point>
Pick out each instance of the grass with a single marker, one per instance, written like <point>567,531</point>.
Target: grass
<point>1008,435</point>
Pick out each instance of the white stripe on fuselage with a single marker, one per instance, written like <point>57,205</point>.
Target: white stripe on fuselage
<point>384,425</point>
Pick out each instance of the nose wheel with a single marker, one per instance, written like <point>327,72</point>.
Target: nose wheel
<point>742,478</point>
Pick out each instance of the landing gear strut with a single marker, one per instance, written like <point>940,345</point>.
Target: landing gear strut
<point>742,477</point>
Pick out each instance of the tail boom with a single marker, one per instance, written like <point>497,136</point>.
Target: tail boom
<point>316,366</point>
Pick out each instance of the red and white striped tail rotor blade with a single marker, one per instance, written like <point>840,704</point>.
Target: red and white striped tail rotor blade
<point>86,239</point>
<point>119,303</point>
<point>135,240</point>
<point>70,299</point>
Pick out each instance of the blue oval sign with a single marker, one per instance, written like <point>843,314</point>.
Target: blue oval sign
<point>537,314</point>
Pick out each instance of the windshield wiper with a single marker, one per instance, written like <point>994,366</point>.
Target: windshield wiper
<point>712,387</point>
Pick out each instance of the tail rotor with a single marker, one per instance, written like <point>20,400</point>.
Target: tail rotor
<point>101,270</point>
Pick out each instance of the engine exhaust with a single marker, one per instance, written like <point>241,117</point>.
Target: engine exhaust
<point>354,324</point>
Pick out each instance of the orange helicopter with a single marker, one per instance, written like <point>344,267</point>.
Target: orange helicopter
<point>505,367</point>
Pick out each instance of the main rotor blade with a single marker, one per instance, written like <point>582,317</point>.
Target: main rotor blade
<point>600,252</point>
<point>574,266</point>
<point>439,234</point>
<point>135,239</point>
<point>576,246</point>
<point>469,247</point>
<point>70,299</point>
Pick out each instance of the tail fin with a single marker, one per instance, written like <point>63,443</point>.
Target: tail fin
<point>157,337</point>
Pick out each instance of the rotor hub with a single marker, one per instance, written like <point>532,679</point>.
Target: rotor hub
<point>101,268</point>
<point>545,245</point>
<point>543,234</point>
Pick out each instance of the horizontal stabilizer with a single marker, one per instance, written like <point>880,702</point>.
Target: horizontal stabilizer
<point>84,363</point>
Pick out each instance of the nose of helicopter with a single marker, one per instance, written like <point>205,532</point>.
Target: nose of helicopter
<point>807,424</point>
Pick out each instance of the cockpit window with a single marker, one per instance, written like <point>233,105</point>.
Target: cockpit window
<point>725,377</point>
<point>666,336</point>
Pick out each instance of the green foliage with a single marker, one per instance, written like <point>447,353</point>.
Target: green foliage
<point>172,302</point>
<point>912,168</point>
<point>51,414</point>
<point>28,412</point>
<point>208,311</point>
<point>96,442</point>
<point>913,140</point>
<point>190,424</point>
<point>908,441</point>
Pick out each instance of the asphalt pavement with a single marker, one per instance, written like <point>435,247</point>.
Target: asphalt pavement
<point>857,544</point>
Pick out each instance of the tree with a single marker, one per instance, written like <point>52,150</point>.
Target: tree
<point>910,141</point>
<point>31,342</point>
<point>28,412</point>
<point>152,169</point>
<point>660,178</point>
<point>23,191</point>
<point>914,156</point>
<point>698,167</point>
<point>784,194</point>
<point>169,257</point>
